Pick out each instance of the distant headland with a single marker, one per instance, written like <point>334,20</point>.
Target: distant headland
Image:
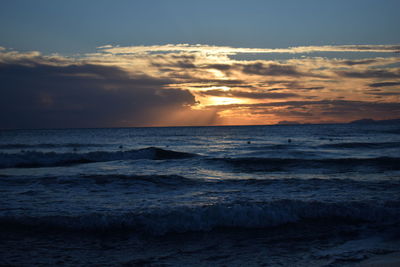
<point>369,120</point>
<point>360,121</point>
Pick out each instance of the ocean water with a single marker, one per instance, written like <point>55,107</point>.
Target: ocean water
<point>301,195</point>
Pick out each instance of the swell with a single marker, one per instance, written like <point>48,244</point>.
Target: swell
<point>208,217</point>
<point>32,159</point>
<point>290,164</point>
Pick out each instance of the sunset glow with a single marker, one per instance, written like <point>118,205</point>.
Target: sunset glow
<point>215,100</point>
<point>222,84</point>
<point>304,89</point>
<point>200,133</point>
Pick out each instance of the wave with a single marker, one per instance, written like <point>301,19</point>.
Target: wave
<point>209,217</point>
<point>361,145</point>
<point>31,159</point>
<point>47,145</point>
<point>290,164</point>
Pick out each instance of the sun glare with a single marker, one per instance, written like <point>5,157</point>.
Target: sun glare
<point>217,100</point>
<point>223,88</point>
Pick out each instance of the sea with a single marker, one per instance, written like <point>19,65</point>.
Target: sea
<point>277,195</point>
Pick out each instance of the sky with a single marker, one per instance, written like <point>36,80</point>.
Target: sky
<point>124,63</point>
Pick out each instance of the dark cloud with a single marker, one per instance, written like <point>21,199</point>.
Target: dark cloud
<point>245,94</point>
<point>285,113</point>
<point>187,57</point>
<point>172,62</point>
<point>359,62</point>
<point>260,68</point>
<point>309,88</point>
<point>384,84</point>
<point>369,74</point>
<point>181,64</point>
<point>220,85</point>
<point>271,70</point>
<point>38,95</point>
<point>297,104</point>
<point>191,81</point>
<point>218,82</point>
<point>293,85</point>
<point>384,93</point>
<point>361,109</point>
<point>338,110</point>
<point>219,66</point>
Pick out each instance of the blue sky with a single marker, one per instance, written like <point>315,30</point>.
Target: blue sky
<point>72,26</point>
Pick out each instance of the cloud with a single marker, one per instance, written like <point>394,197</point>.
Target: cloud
<point>180,84</point>
<point>322,110</point>
<point>221,67</point>
<point>359,109</point>
<point>384,93</point>
<point>369,74</point>
<point>319,102</point>
<point>309,88</point>
<point>271,70</point>
<point>262,68</point>
<point>359,62</point>
<point>246,94</point>
<point>175,61</point>
<point>35,95</point>
<point>384,84</point>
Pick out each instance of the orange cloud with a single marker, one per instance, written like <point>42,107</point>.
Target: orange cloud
<point>197,85</point>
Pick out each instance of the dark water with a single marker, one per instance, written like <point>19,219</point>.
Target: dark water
<point>200,195</point>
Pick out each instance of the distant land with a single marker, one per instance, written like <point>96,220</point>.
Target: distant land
<point>360,121</point>
<point>288,123</point>
<point>369,120</point>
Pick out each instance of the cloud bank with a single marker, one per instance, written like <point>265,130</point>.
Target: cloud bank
<point>196,85</point>
<point>38,95</point>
